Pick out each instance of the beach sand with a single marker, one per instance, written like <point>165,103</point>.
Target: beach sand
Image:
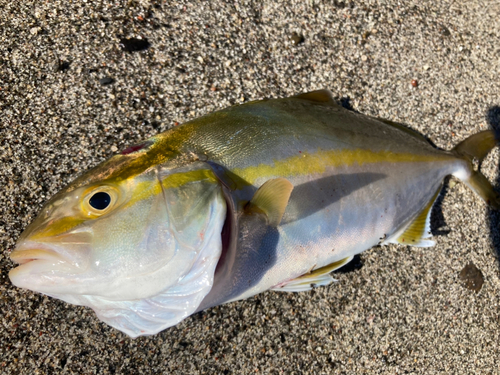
<point>75,87</point>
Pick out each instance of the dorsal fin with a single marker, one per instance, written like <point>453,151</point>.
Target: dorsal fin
<point>271,199</point>
<point>318,277</point>
<point>319,96</point>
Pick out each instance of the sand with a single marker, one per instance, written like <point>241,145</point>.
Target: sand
<point>75,87</point>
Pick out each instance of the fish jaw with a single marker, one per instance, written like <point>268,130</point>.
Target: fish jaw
<point>44,267</point>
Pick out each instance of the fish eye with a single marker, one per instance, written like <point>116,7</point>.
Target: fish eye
<point>100,200</point>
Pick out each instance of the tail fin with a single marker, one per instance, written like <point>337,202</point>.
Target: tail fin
<point>476,147</point>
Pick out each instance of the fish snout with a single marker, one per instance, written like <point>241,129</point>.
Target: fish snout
<point>24,254</point>
<point>45,268</point>
<point>63,252</point>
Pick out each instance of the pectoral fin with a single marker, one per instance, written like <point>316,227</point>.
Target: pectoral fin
<point>271,199</point>
<point>318,277</point>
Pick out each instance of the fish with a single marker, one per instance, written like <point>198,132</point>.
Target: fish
<point>268,195</point>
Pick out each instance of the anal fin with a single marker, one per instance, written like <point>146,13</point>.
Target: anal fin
<point>318,277</point>
<point>419,230</point>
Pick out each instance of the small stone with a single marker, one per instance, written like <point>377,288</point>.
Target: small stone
<point>472,276</point>
<point>444,30</point>
<point>297,38</point>
<point>106,81</point>
<point>61,66</point>
<point>364,58</point>
<point>200,59</point>
<point>426,67</point>
<point>35,30</point>
<point>114,148</point>
<point>414,83</point>
<point>134,44</point>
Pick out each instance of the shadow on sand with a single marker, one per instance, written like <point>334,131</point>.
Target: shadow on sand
<point>493,118</point>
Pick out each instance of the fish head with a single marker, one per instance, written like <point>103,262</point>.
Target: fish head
<point>137,244</point>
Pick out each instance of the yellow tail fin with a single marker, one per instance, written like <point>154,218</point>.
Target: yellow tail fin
<point>476,147</point>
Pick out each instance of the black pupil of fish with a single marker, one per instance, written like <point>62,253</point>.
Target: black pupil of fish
<point>100,200</point>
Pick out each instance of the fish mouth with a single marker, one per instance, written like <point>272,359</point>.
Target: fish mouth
<point>25,256</point>
<point>66,248</point>
<point>39,269</point>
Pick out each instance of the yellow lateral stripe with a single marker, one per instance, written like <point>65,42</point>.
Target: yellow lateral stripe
<point>146,189</point>
<point>179,179</point>
<point>57,227</point>
<point>143,190</point>
<point>316,163</point>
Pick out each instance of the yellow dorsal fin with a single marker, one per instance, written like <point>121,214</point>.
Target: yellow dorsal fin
<point>318,277</point>
<point>419,230</point>
<point>318,96</point>
<point>271,199</point>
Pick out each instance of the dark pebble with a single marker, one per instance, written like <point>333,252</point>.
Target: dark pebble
<point>297,38</point>
<point>473,277</point>
<point>106,81</point>
<point>134,44</point>
<point>62,66</point>
<point>444,30</point>
<point>414,83</point>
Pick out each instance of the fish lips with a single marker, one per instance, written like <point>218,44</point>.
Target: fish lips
<point>40,267</point>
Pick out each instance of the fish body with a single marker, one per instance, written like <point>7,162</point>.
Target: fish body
<point>272,194</point>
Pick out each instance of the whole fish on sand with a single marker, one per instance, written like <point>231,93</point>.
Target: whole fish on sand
<point>271,194</point>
